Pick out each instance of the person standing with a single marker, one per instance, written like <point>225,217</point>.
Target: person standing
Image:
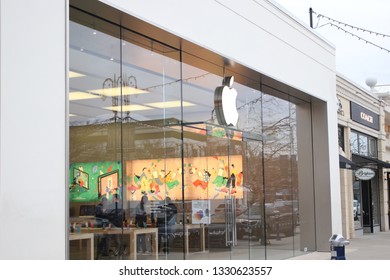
<point>140,221</point>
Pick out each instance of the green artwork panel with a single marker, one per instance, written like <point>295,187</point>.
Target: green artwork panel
<point>91,180</point>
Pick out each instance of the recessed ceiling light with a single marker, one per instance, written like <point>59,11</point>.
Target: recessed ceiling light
<point>80,95</point>
<point>94,32</point>
<point>117,91</point>
<point>170,104</point>
<point>73,74</point>
<point>72,115</point>
<point>126,108</point>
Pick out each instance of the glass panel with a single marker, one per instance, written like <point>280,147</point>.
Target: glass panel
<point>294,179</point>
<point>151,147</point>
<point>95,171</point>
<point>232,159</point>
<point>206,162</point>
<point>372,148</point>
<point>278,184</point>
<point>251,222</point>
<point>363,145</point>
<point>354,143</point>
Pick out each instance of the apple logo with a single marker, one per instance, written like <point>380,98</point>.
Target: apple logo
<point>225,103</point>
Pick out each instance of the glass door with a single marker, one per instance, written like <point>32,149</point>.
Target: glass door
<point>221,233</point>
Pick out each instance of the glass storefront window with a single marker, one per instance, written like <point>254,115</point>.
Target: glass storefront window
<point>153,174</point>
<point>95,171</point>
<point>372,152</point>
<point>363,144</point>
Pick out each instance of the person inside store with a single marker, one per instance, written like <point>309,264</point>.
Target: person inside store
<point>141,222</point>
<point>115,214</point>
<point>101,212</point>
<point>110,215</point>
<point>166,219</point>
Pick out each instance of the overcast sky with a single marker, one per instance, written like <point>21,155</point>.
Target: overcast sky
<point>355,59</point>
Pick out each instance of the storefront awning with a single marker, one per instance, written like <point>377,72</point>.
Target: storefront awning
<point>346,163</point>
<point>365,160</point>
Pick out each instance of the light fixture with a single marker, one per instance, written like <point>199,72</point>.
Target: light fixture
<point>170,104</point>
<point>112,88</point>
<point>128,108</point>
<point>121,86</point>
<point>117,91</point>
<point>80,95</point>
<point>73,74</point>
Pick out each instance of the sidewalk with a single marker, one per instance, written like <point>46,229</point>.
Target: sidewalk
<point>368,247</point>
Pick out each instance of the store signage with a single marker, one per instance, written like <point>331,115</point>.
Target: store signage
<point>340,110</point>
<point>364,116</point>
<point>225,103</point>
<point>364,174</point>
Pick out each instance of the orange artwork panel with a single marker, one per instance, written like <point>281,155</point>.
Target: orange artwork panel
<point>204,178</point>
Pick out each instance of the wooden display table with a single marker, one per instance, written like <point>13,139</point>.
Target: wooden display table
<point>202,234</point>
<point>132,234</point>
<point>187,228</point>
<point>90,243</point>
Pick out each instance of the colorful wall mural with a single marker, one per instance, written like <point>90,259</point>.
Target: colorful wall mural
<point>91,180</point>
<point>204,178</point>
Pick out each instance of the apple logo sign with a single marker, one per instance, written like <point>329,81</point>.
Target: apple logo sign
<point>225,103</point>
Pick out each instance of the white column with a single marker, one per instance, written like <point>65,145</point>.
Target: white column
<point>33,81</point>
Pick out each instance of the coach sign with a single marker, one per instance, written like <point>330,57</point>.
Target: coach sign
<point>364,116</point>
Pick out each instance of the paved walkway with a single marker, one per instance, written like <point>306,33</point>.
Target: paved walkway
<point>368,247</point>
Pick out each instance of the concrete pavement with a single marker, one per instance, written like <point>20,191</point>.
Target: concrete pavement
<point>367,247</point>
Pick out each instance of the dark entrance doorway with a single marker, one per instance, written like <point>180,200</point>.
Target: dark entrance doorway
<point>367,206</point>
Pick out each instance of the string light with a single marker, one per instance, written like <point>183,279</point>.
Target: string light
<point>353,27</point>
<point>337,23</point>
<point>360,38</point>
